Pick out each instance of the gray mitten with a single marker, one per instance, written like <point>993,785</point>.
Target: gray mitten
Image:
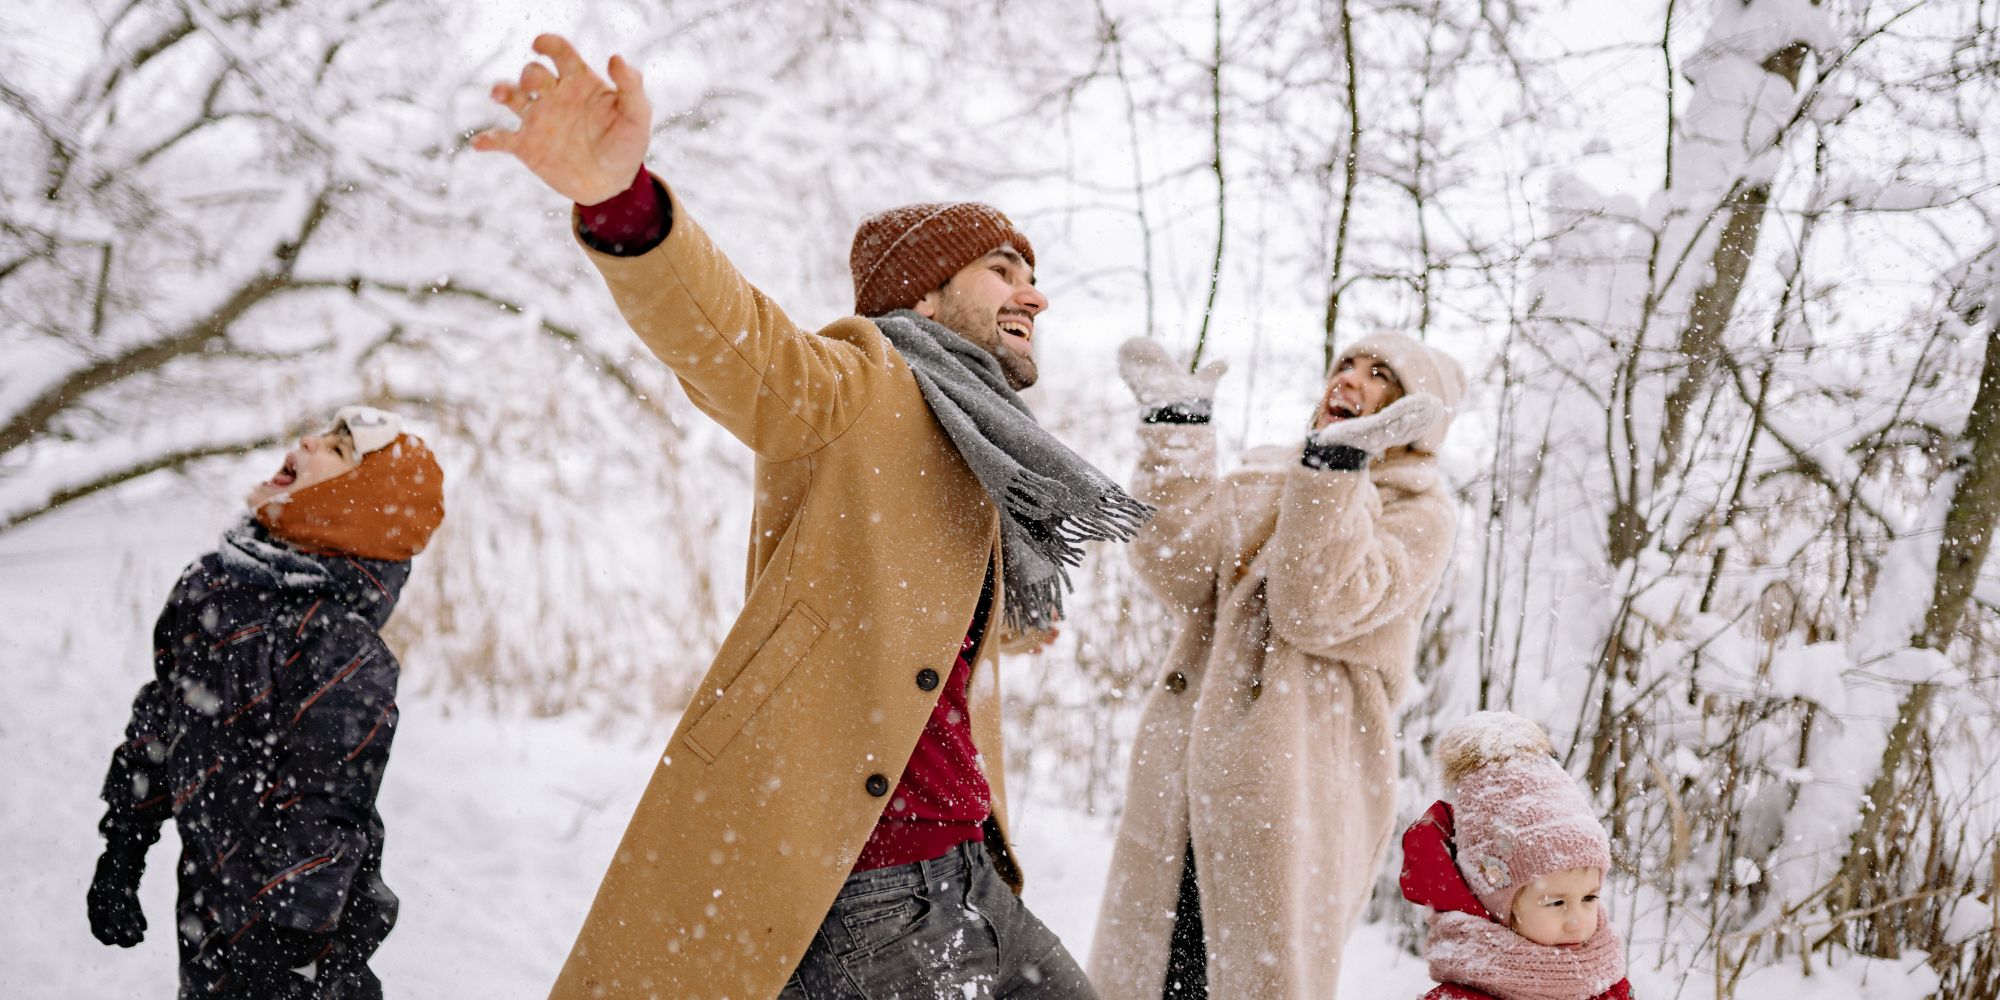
<point>1401,422</point>
<point>1167,391</point>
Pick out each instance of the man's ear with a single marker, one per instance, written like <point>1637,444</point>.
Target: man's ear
<point>927,307</point>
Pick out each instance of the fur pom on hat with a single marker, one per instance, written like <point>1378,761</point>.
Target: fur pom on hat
<point>1518,814</point>
<point>1420,369</point>
<point>1485,739</point>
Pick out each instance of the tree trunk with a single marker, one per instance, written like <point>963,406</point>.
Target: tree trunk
<point>1975,507</point>
<point>1221,192</point>
<point>1349,175</point>
<point>1968,538</point>
<point>1700,344</point>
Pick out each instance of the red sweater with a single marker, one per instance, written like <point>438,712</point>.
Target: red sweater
<point>943,798</point>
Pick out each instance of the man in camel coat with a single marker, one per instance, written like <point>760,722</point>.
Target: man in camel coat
<point>1263,780</point>
<point>828,817</point>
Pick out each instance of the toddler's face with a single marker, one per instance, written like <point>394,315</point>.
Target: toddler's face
<point>1559,908</point>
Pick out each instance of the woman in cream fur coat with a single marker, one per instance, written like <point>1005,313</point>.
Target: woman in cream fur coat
<point>1262,791</point>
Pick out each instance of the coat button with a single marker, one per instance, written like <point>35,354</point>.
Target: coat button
<point>878,786</point>
<point>1177,682</point>
<point>927,679</point>
<point>1256,689</point>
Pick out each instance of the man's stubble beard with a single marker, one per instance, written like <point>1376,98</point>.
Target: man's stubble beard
<point>984,333</point>
<point>1019,369</point>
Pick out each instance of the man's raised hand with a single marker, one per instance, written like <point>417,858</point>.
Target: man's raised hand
<point>583,137</point>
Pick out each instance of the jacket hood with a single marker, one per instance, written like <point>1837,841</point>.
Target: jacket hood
<point>1430,874</point>
<point>252,556</point>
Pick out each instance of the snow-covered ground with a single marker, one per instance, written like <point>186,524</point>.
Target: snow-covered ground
<point>499,827</point>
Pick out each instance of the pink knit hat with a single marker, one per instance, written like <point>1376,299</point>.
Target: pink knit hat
<point>1518,814</point>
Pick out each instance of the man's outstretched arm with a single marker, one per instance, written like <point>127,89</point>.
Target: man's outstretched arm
<point>583,137</point>
<point>783,392</point>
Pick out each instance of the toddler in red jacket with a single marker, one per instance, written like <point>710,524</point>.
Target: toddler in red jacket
<point>1511,868</point>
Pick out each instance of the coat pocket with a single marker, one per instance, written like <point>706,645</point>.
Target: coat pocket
<point>773,661</point>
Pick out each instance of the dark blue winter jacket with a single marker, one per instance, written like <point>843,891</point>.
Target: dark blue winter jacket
<point>264,733</point>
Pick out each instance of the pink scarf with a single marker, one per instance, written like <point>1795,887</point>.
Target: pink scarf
<point>1476,952</point>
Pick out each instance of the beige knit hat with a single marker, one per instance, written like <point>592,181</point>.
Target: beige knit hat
<point>903,254</point>
<point>1420,369</point>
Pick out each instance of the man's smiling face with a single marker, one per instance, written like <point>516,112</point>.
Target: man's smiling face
<point>993,303</point>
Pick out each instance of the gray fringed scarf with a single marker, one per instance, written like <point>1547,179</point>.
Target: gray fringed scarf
<point>252,557</point>
<point>1050,499</point>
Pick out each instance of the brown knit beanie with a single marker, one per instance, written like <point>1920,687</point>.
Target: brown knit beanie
<point>386,507</point>
<point>901,255</point>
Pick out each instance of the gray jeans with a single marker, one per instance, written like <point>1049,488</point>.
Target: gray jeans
<point>946,929</point>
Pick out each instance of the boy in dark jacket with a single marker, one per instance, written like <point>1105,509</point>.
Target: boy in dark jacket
<point>267,723</point>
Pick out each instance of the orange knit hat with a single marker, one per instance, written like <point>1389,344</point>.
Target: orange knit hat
<point>901,255</point>
<point>385,508</point>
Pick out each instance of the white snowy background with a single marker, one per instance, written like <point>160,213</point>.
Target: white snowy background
<point>220,219</point>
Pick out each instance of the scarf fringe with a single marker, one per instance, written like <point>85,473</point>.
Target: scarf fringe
<point>1040,606</point>
<point>1051,500</point>
<point>1108,515</point>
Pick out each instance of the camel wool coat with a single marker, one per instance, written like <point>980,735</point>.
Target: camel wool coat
<point>1299,595</point>
<point>869,544</point>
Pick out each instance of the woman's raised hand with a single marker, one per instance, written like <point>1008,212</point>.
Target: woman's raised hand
<point>1156,379</point>
<point>583,137</point>
<point>1404,421</point>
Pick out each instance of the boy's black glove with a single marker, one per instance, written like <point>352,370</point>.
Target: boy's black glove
<point>113,901</point>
